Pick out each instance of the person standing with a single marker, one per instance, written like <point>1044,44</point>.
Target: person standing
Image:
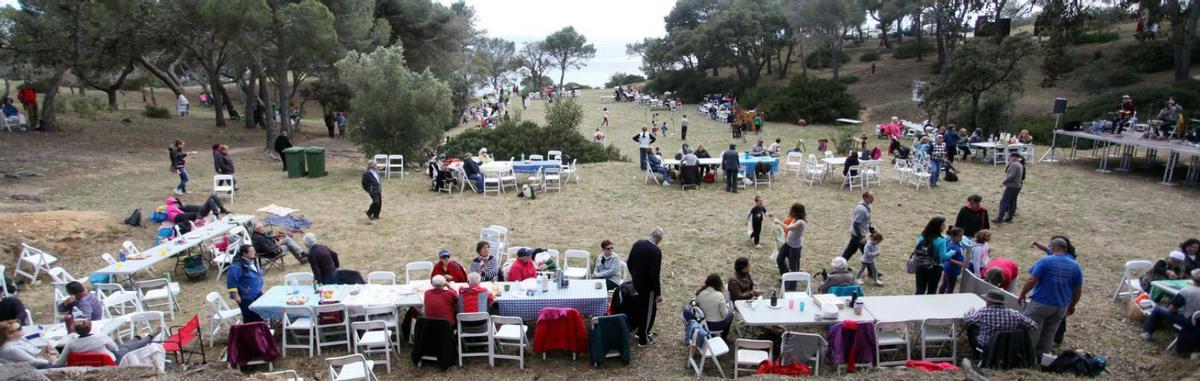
<point>729,162</point>
<point>28,97</point>
<point>644,140</point>
<point>605,122</point>
<point>281,143</point>
<point>645,266</point>
<point>860,225</point>
<point>179,165</point>
<point>341,123</point>
<point>756,216</point>
<point>788,259</point>
<point>1014,178</point>
<point>181,105</point>
<point>373,187</point>
<point>683,124</point>
<point>973,217</point>
<point>1057,283</point>
<point>322,260</point>
<point>937,155</point>
<point>758,124</point>
<point>928,256</point>
<point>330,122</point>
<point>244,281</point>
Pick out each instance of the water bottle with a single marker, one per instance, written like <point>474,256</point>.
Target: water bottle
<point>774,298</point>
<point>121,255</point>
<point>294,286</point>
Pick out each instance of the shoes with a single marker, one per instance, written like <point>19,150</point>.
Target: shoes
<point>1008,221</point>
<point>1145,336</point>
<point>303,258</point>
<point>177,191</point>
<point>666,183</point>
<point>997,221</point>
<point>756,246</point>
<point>858,281</point>
<point>368,215</point>
<point>878,284</point>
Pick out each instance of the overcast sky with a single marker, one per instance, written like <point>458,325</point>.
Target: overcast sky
<point>601,21</point>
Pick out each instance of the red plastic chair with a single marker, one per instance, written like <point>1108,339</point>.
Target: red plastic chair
<point>181,336</point>
<point>90,359</point>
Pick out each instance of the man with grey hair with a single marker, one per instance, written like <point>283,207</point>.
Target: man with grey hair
<point>273,245</point>
<point>1057,283</point>
<point>440,301</point>
<point>322,260</point>
<point>374,188</point>
<point>1014,178</point>
<point>860,225</point>
<point>645,267</point>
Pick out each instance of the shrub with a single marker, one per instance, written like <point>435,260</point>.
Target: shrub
<point>869,57</point>
<point>156,112</point>
<point>576,86</point>
<point>845,141</point>
<point>622,79</point>
<point>995,114</point>
<point>690,85</point>
<point>847,79</point>
<point>565,113</point>
<point>908,49</point>
<point>817,100</point>
<point>1153,56</point>
<point>1094,38</point>
<point>1148,99</point>
<point>823,58</point>
<point>1100,77</point>
<point>511,139</point>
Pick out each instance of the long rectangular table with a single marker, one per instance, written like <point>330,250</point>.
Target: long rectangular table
<point>173,247</point>
<point>1170,287</point>
<point>580,294</point>
<point>760,313</point>
<point>902,308</point>
<point>1129,143</point>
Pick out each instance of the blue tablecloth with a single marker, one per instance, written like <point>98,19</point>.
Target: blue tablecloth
<point>528,166</point>
<point>754,160</point>
<point>580,294</point>
<point>270,304</point>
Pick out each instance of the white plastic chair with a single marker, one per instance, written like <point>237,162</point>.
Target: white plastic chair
<point>751,353</point>
<point>35,258</point>
<point>902,170</point>
<point>492,183</point>
<point>536,157</point>
<point>813,172</point>
<point>854,176</point>
<point>940,332</point>
<point>760,179</point>
<point>872,172</point>
<point>551,178</point>
<point>372,337</point>
<point>508,178</point>
<point>114,296</point>
<point>222,315</point>
<point>301,279</point>
<point>795,164</point>
<point>381,163</point>
<point>810,342</point>
<point>549,254</point>
<point>4,283</point>
<point>484,331</point>
<point>158,293</point>
<point>571,171</point>
<point>223,184</point>
<point>890,336</point>
<point>59,274</point>
<point>511,332</point>
<point>797,276</point>
<point>496,236</point>
<point>395,164</point>
<point>576,272</point>
<point>388,315</point>
<point>713,348</point>
<point>381,277</point>
<point>412,267</point>
<point>297,321</point>
<point>652,176</point>
<point>554,155</point>
<point>144,322</point>
<point>354,367</point>
<point>1130,279</point>
<point>334,333</point>
<point>919,175</point>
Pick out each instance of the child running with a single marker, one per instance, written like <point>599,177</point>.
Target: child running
<point>757,213</point>
<point>870,252</point>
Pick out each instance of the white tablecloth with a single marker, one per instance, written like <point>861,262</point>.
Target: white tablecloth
<point>901,308</point>
<point>175,246</point>
<point>701,161</point>
<point>760,313</point>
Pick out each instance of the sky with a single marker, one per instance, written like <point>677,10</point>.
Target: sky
<point>608,24</point>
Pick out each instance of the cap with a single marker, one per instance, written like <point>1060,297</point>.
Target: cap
<point>524,252</point>
<point>443,252</point>
<point>1177,255</point>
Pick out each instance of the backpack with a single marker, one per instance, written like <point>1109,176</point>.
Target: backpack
<point>527,192</point>
<point>623,298</point>
<point>1078,364</point>
<point>922,258</point>
<point>135,218</point>
<point>951,175</point>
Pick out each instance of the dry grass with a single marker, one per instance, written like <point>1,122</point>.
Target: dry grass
<point>111,167</point>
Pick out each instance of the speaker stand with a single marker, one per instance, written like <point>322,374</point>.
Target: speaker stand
<point>1049,156</point>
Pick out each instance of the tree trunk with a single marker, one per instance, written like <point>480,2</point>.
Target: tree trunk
<point>917,28</point>
<point>835,61</point>
<point>282,93</point>
<point>899,30</point>
<point>562,75</point>
<point>1185,42</point>
<point>883,35</point>
<point>975,112</point>
<point>248,91</point>
<point>6,89</point>
<point>163,76</point>
<point>940,36</point>
<point>49,121</point>
<point>787,60</point>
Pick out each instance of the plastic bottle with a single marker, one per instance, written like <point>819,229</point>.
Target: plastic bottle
<point>121,255</point>
<point>774,298</point>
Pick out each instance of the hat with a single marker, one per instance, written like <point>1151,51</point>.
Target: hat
<point>443,252</point>
<point>994,297</point>
<point>524,252</point>
<point>1177,255</point>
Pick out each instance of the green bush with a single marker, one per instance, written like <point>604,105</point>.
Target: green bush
<point>869,57</point>
<point>622,79</point>
<point>908,49</point>
<point>565,114</point>
<point>814,99</point>
<point>156,112</point>
<point>690,85</point>
<point>1153,56</point>
<point>1100,77</point>
<point>995,114</point>
<point>823,58</point>
<point>1148,99</point>
<point>511,139</point>
<point>845,141</point>
<point>847,79</point>
<point>1099,37</point>
<point>576,86</point>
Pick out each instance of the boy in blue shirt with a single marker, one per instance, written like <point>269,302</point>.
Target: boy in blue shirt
<point>952,266</point>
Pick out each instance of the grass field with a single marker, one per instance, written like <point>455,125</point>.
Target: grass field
<point>97,171</point>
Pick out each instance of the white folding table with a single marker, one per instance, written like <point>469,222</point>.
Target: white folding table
<point>906,308</point>
<point>760,313</point>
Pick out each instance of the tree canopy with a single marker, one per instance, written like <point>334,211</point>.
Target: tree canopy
<point>568,49</point>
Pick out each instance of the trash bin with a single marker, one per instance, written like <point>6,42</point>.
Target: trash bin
<point>295,161</point>
<point>316,161</point>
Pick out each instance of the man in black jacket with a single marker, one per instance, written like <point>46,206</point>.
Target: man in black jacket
<point>729,162</point>
<point>371,184</point>
<point>322,260</point>
<point>281,143</point>
<point>645,266</point>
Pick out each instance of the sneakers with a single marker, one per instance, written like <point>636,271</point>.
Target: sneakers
<point>858,281</point>
<point>666,183</point>
<point>1145,336</point>
<point>178,192</point>
<point>878,284</point>
<point>757,246</point>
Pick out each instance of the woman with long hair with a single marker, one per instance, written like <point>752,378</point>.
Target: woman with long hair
<point>933,246</point>
<point>711,300</point>
<point>788,259</point>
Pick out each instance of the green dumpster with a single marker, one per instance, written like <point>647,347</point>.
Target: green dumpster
<point>316,161</point>
<point>294,158</point>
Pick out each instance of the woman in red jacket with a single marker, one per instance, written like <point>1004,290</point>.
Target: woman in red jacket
<point>448,267</point>
<point>523,268</point>
<point>28,97</point>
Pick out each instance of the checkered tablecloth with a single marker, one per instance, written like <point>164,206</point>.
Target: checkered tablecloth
<point>581,295</point>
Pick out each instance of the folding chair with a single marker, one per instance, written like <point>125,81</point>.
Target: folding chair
<point>301,279</point>
<point>158,293</point>
<point>223,184</point>
<point>222,315</point>
<point>1130,283</point>
<point>299,321</point>
<point>336,331</point>
<point>381,277</point>
<point>482,330</point>
<point>939,331</point>
<point>890,336</point>
<point>755,352</point>
<point>511,333</point>
<point>395,164</point>
<point>389,316</point>
<point>141,322</point>
<point>4,283</point>
<point>420,266</point>
<point>492,183</point>
<point>60,275</point>
<point>713,348</point>
<point>354,367</point>
<point>114,296</point>
<point>571,172</point>
<point>508,178</point>
<point>576,272</point>
<point>372,337</point>
<point>813,173</point>
<point>551,178</point>
<point>797,276</point>
<point>795,164</point>
<point>651,176</point>
<point>854,177</point>
<point>554,155</point>
<point>806,344</point>
<point>872,172</point>
<point>181,336</point>
<point>37,259</point>
<point>381,163</point>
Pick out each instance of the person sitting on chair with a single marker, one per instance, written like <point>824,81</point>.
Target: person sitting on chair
<point>448,267</point>
<point>523,268</point>
<point>89,342</point>
<point>1169,115</point>
<point>441,302</point>
<point>758,149</point>
<point>840,276</point>
<point>1180,312</point>
<point>773,150</point>
<point>711,299</point>
<point>272,245</point>
<point>11,114</point>
<point>1126,112</point>
<point>994,318</point>
<point>608,266</point>
<point>851,161</point>
<point>655,165</point>
<point>87,302</point>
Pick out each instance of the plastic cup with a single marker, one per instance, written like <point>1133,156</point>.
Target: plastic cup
<point>801,306</point>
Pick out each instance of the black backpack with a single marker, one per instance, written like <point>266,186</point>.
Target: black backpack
<point>135,219</point>
<point>623,298</point>
<point>922,257</point>
<point>1078,364</point>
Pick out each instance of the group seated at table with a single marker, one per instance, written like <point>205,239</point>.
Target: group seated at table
<point>1181,312</point>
